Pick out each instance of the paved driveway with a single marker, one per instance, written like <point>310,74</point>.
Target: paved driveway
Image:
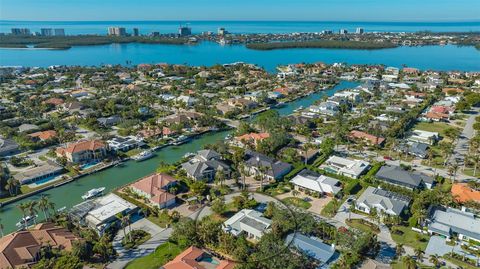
<point>159,236</point>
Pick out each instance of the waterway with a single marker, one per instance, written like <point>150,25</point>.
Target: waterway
<point>442,58</point>
<point>70,194</point>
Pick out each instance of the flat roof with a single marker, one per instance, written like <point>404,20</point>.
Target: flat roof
<point>107,207</point>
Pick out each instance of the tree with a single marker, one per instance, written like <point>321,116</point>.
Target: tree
<point>1,228</point>
<point>43,204</point>
<point>218,205</point>
<point>409,262</point>
<point>124,222</point>
<point>435,260</point>
<point>12,186</point>
<point>81,249</point>
<point>419,254</point>
<point>452,171</point>
<point>220,176</point>
<point>399,250</point>
<point>23,208</point>
<point>32,211</point>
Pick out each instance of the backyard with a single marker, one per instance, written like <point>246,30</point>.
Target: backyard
<point>408,237</point>
<point>163,254</point>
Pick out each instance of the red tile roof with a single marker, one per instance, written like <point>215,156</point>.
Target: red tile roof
<point>154,185</point>
<point>462,193</point>
<point>189,259</point>
<point>45,135</point>
<point>82,146</point>
<point>370,138</point>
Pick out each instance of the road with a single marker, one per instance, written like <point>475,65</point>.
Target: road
<point>461,148</point>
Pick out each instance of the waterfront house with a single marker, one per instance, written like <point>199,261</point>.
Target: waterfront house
<point>316,184</point>
<point>250,139</point>
<point>327,108</point>
<point>83,151</point>
<point>398,176</point>
<point>451,222</point>
<point>22,249</point>
<point>313,247</point>
<point>390,203</point>
<point>38,173</point>
<point>101,213</point>
<point>205,165</point>
<point>155,188</point>
<point>196,258</point>
<point>247,221</point>
<point>346,167</point>
<point>125,143</point>
<point>259,164</point>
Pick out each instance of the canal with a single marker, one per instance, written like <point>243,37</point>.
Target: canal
<point>70,194</point>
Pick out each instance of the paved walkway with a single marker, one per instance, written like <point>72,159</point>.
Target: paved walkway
<point>159,236</point>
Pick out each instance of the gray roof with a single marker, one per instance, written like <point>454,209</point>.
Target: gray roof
<point>312,247</point>
<point>398,176</point>
<point>456,221</point>
<point>275,168</point>
<point>7,145</point>
<point>208,154</point>
<point>385,200</point>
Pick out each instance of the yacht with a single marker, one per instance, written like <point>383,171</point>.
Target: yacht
<point>181,139</point>
<point>144,155</point>
<point>27,221</point>
<point>298,109</point>
<point>93,193</point>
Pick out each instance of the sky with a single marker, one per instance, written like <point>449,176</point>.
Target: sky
<point>297,10</point>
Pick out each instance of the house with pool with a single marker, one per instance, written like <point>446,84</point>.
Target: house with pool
<point>82,152</point>
<point>196,258</point>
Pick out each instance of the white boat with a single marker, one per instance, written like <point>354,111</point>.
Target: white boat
<point>181,139</point>
<point>147,154</point>
<point>93,193</point>
<point>298,109</point>
<point>27,221</point>
<point>188,155</point>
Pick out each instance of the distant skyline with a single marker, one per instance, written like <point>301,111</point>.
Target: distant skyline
<point>247,10</point>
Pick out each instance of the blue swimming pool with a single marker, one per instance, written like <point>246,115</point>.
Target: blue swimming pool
<point>88,165</point>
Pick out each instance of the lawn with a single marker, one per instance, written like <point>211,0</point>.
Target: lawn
<point>438,127</point>
<point>410,238</point>
<point>330,209</point>
<point>460,263</point>
<point>135,239</point>
<point>363,225</point>
<point>400,265</point>
<point>298,202</point>
<point>163,254</point>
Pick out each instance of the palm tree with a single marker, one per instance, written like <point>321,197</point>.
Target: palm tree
<point>419,253</point>
<point>452,171</point>
<point>352,208</point>
<point>435,260</point>
<point>399,250</point>
<point>32,211</point>
<point>23,208</point>
<point>475,159</point>
<point>51,206</point>
<point>409,262</point>
<point>12,186</point>
<point>295,193</point>
<point>43,205</point>
<point>124,222</point>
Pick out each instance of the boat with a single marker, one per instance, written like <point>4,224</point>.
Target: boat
<point>298,109</point>
<point>26,221</point>
<point>93,193</point>
<point>144,155</point>
<point>181,139</point>
<point>188,155</point>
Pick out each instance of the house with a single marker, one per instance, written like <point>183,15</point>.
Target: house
<point>250,139</point>
<point>109,121</point>
<point>125,143</point>
<point>83,151</point>
<point>247,221</point>
<point>312,247</point>
<point>425,137</point>
<point>462,193</point>
<point>101,213</point>
<point>205,165</point>
<point>368,138</point>
<point>43,136</point>
<point>418,149</point>
<point>373,264</point>
<point>396,175</point>
<point>325,108</point>
<point>346,167</point>
<point>27,128</point>
<point>259,164</point>
<point>390,203</point>
<point>8,147</point>
<point>451,222</point>
<point>195,258</point>
<point>155,188</point>
<point>313,182</point>
<point>38,173</point>
<point>22,249</point>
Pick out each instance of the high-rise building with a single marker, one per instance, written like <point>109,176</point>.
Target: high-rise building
<point>46,32</point>
<point>343,31</point>
<point>117,31</point>
<point>327,32</point>
<point>20,31</point>
<point>359,31</point>
<point>221,31</point>
<point>184,30</point>
<point>59,32</point>
<point>136,32</point>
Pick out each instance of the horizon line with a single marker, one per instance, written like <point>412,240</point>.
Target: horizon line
<point>256,20</point>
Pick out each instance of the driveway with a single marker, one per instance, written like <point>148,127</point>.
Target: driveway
<point>461,148</point>
<point>159,236</point>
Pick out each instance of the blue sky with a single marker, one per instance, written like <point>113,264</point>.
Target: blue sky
<point>319,10</point>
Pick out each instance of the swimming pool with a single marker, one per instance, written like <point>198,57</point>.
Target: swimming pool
<point>88,165</point>
<point>209,259</point>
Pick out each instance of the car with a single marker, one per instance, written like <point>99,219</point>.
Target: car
<point>387,158</point>
<point>349,200</point>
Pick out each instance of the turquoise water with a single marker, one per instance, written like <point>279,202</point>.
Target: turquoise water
<point>207,53</point>
<point>210,260</point>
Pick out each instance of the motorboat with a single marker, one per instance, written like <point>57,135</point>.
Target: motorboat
<point>93,193</point>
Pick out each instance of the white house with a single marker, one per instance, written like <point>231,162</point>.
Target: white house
<point>346,167</point>
<point>247,221</point>
<point>310,181</point>
<point>390,203</point>
<point>425,137</point>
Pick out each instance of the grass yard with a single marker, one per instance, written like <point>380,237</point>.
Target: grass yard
<point>163,254</point>
<point>401,265</point>
<point>363,225</point>
<point>438,127</point>
<point>298,202</point>
<point>330,209</point>
<point>460,263</point>
<point>410,238</point>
